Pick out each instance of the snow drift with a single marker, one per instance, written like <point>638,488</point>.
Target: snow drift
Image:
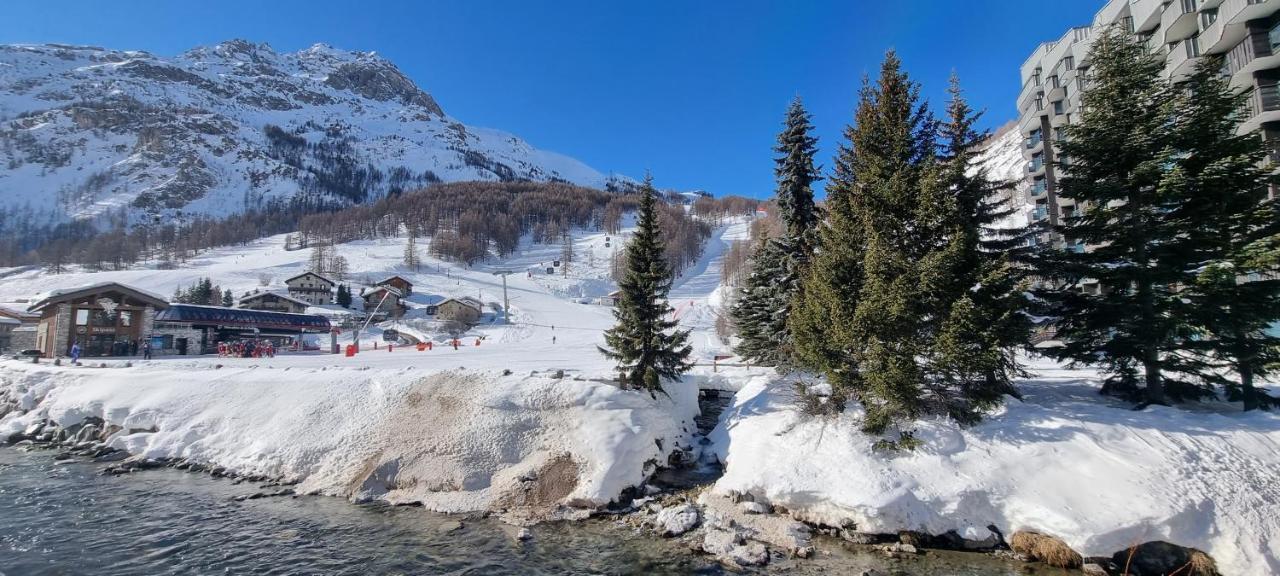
<point>453,441</point>
<point>1065,462</point>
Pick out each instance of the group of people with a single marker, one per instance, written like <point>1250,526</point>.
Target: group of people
<point>121,348</point>
<point>247,349</point>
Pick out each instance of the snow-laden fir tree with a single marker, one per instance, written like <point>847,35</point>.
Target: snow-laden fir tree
<point>764,302</point>
<point>1230,231</point>
<point>645,342</point>
<point>1113,160</point>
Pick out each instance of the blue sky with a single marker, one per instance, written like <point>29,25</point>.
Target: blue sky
<point>694,91</point>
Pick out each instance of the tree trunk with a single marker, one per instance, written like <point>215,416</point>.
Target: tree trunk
<point>1247,390</point>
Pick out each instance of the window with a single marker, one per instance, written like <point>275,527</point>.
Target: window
<point>1208,17</point>
<point>82,317</point>
<point>1069,62</point>
<point>126,318</point>
<point>1038,187</point>
<point>1273,37</point>
<point>1058,107</point>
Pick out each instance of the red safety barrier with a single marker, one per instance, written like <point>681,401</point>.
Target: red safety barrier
<point>351,350</point>
<point>422,346</point>
<point>391,347</point>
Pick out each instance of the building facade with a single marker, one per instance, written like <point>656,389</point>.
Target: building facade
<point>1245,33</point>
<point>465,310</point>
<point>272,302</point>
<point>106,319</point>
<point>311,288</point>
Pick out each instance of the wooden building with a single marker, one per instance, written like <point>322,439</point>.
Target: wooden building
<point>272,302</point>
<point>403,286</point>
<point>311,288</point>
<point>107,319</point>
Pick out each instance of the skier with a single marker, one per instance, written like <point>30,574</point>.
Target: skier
<point>146,350</point>
<point>75,352</point>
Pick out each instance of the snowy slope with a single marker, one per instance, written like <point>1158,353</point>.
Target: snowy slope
<point>1001,157</point>
<point>85,130</point>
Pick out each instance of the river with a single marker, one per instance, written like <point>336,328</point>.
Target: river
<point>63,517</point>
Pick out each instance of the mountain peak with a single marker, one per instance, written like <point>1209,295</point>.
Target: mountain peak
<point>233,126</point>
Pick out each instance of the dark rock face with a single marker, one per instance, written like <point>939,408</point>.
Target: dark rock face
<point>378,79</point>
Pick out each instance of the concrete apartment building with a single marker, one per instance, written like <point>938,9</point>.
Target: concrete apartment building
<point>1246,33</point>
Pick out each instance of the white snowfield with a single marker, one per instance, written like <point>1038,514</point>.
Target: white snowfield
<point>446,428</point>
<point>454,441</point>
<point>1064,461</point>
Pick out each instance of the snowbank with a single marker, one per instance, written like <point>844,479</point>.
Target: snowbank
<point>1065,461</point>
<point>454,441</point>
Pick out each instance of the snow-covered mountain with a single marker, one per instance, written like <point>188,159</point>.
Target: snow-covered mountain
<point>85,131</point>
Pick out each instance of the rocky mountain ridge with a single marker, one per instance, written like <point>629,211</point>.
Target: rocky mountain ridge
<point>88,132</point>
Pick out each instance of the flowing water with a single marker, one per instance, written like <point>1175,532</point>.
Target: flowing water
<point>63,517</point>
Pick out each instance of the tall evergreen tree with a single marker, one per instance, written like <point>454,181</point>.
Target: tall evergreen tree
<point>969,283</point>
<point>344,296</point>
<point>1231,235</point>
<point>765,300</point>
<point>228,300</point>
<point>644,342</point>
<point>858,319</point>
<point>1114,160</point>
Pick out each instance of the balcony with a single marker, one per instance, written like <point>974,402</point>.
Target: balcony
<point>1179,20</point>
<point>1211,40</point>
<point>1036,165</point>
<point>1241,11</point>
<point>1030,90</point>
<point>1038,188</point>
<point>1040,213</point>
<point>1110,13</point>
<point>1263,107</point>
<point>1182,59</point>
<point>1146,14</point>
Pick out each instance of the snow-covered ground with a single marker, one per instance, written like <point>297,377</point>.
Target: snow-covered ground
<point>1064,461</point>
<point>447,428</point>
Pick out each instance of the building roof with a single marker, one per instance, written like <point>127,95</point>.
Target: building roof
<point>16,314</point>
<point>331,282</point>
<point>242,318</point>
<point>400,278</point>
<point>280,295</point>
<point>64,294</point>
<point>8,320</point>
<point>465,301</point>
<point>367,292</point>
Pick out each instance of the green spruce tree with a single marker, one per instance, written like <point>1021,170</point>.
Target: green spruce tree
<point>857,320</point>
<point>1114,160</point>
<point>969,283</point>
<point>1230,236</point>
<point>765,301</point>
<point>644,342</point>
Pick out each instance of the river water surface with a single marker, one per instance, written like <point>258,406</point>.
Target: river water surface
<point>62,517</point>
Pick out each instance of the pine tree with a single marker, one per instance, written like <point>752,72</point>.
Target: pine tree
<point>1114,160</point>
<point>411,259</point>
<point>765,301</point>
<point>344,296</point>
<point>228,300</point>
<point>644,341</point>
<point>1231,236</point>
